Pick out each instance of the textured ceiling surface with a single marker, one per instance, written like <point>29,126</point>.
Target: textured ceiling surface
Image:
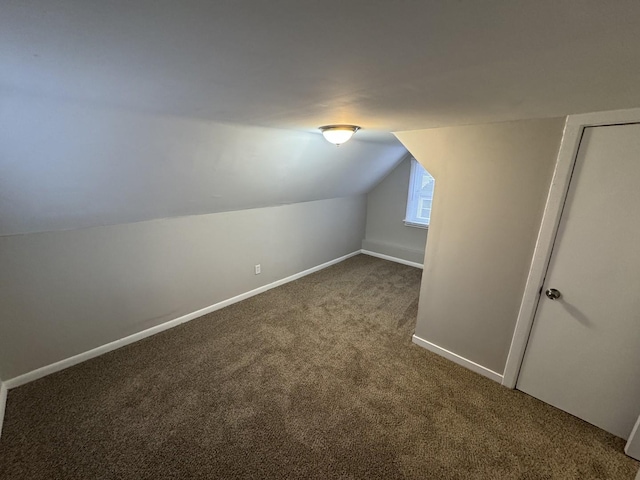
<point>114,111</point>
<point>386,65</point>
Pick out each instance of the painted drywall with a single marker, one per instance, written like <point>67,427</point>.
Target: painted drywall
<point>64,293</point>
<point>65,166</point>
<point>386,232</point>
<point>491,186</point>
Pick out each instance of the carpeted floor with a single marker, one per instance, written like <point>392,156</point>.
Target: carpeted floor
<point>314,379</point>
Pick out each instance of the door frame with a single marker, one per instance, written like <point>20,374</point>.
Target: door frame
<point>571,137</point>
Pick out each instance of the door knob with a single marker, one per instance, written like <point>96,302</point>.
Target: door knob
<point>553,294</point>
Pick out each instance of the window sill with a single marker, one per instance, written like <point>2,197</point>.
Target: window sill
<point>407,223</point>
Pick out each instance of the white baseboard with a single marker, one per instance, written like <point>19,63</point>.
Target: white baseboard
<point>632,448</point>
<point>392,259</point>
<point>454,357</point>
<point>394,250</point>
<point>3,403</point>
<point>82,357</point>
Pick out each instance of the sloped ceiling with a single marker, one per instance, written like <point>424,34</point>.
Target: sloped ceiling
<point>286,66</point>
<point>68,166</point>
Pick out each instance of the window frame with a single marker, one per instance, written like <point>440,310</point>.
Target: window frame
<point>411,218</point>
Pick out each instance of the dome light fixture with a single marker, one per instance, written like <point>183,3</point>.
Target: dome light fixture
<point>338,134</point>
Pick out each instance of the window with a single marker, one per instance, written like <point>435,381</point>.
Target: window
<point>420,196</point>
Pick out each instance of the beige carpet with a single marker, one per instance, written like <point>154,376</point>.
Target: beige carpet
<point>314,379</point>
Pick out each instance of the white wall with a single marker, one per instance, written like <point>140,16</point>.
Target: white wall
<point>386,232</point>
<point>66,292</point>
<point>491,186</point>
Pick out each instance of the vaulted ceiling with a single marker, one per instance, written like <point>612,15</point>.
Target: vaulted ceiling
<point>289,65</point>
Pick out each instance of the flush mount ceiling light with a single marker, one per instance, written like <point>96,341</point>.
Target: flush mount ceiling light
<point>338,134</point>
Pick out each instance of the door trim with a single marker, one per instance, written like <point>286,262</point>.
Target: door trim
<point>573,129</point>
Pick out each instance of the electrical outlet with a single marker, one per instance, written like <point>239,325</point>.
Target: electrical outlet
<point>258,269</point>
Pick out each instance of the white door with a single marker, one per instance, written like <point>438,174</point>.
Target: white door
<point>583,354</point>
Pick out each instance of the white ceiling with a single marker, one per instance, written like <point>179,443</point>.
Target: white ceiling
<point>385,65</point>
